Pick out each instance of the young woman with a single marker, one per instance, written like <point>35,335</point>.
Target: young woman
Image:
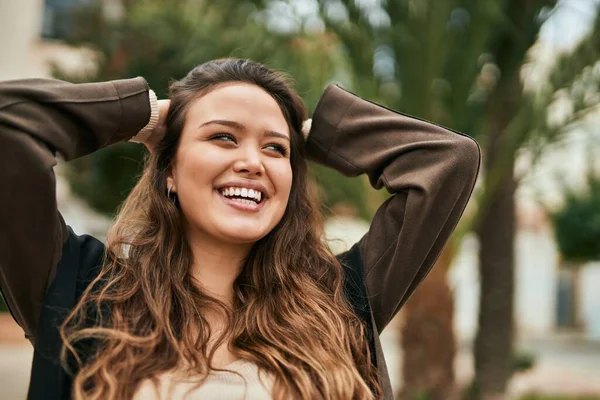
<point>215,281</point>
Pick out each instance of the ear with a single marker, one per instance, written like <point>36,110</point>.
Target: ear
<point>171,181</point>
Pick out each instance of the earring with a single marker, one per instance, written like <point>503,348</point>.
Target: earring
<point>169,195</point>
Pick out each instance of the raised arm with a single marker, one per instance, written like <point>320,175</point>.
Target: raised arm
<point>429,170</point>
<point>39,118</point>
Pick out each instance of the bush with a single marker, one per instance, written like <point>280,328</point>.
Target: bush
<point>522,361</point>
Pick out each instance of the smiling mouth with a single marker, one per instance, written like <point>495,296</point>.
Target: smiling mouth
<point>242,195</point>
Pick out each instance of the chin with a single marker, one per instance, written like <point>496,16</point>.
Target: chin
<point>246,237</point>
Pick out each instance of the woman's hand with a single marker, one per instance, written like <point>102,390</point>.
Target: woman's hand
<point>161,127</point>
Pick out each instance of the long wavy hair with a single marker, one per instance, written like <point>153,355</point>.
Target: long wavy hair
<point>144,315</point>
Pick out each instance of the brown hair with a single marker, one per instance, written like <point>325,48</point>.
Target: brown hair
<point>290,315</point>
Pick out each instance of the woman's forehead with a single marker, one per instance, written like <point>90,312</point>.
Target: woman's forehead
<point>240,102</point>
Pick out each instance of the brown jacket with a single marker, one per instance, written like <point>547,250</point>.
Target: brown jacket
<point>429,170</point>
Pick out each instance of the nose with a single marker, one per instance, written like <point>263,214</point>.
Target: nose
<point>249,161</point>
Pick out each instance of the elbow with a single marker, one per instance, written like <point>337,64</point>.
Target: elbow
<point>467,159</point>
<point>25,159</point>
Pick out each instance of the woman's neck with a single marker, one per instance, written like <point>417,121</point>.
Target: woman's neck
<point>216,265</point>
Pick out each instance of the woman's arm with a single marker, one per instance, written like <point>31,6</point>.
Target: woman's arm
<point>39,118</point>
<point>430,170</point>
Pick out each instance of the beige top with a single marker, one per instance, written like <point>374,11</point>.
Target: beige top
<point>218,386</point>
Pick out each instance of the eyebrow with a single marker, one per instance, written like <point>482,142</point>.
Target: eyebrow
<point>241,127</point>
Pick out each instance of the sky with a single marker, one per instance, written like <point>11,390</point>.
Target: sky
<point>565,161</point>
<point>570,20</point>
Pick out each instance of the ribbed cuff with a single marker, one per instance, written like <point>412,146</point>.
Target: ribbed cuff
<point>332,106</point>
<point>147,130</point>
<point>306,125</point>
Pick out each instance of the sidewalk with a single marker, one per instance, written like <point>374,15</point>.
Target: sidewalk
<point>565,365</point>
<point>15,367</point>
<point>16,354</point>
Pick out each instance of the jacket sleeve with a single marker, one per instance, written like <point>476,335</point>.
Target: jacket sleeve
<point>430,171</point>
<point>39,118</point>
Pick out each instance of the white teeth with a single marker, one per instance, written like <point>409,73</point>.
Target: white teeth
<point>243,192</point>
<point>245,201</point>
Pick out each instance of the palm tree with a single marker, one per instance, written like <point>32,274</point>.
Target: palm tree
<point>458,63</point>
<point>516,118</point>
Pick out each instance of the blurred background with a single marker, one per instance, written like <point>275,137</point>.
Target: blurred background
<point>512,309</point>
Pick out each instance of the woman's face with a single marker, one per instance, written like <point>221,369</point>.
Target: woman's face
<point>232,171</point>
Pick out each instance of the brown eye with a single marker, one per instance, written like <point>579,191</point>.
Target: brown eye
<point>226,137</point>
<point>278,148</point>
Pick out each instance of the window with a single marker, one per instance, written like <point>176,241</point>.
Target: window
<point>57,22</point>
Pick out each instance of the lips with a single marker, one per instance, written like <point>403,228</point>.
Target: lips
<point>242,204</point>
<point>245,184</point>
<point>243,193</point>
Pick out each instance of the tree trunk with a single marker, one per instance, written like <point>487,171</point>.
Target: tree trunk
<point>494,339</point>
<point>570,275</point>
<point>576,299</point>
<point>493,343</point>
<point>427,338</point>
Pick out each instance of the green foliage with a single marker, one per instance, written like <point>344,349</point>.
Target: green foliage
<point>522,361</point>
<point>105,178</point>
<point>162,40</point>
<point>3,307</point>
<point>442,58</point>
<point>354,192</point>
<point>571,79</point>
<point>454,63</point>
<point>577,223</point>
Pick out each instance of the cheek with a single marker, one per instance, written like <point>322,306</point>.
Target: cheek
<point>282,179</point>
<point>198,164</point>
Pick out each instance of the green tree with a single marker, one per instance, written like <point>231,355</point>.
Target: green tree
<point>458,63</point>
<point>577,232</point>
<point>577,223</point>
